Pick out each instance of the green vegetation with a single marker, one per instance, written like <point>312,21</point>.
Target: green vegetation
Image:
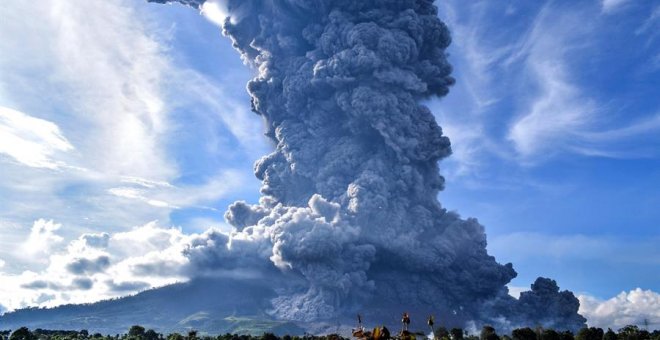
<point>138,332</point>
<point>587,333</point>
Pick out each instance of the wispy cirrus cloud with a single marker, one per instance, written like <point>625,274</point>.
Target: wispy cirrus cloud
<point>464,114</point>
<point>166,195</point>
<point>609,6</point>
<point>522,96</point>
<point>112,109</point>
<point>31,141</point>
<point>557,111</point>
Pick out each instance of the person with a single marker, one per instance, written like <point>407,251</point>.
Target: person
<point>406,321</point>
<point>430,323</point>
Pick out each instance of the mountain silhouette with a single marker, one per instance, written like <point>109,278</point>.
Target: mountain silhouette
<point>214,306</point>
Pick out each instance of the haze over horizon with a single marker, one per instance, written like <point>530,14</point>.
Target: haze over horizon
<point>110,168</point>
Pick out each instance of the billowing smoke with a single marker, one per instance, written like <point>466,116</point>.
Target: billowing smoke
<point>349,218</point>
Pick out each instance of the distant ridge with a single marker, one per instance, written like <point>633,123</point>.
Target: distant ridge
<point>213,306</point>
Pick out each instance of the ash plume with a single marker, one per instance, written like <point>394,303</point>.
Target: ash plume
<point>349,218</point>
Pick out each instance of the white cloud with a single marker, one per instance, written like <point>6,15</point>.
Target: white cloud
<point>99,80</point>
<point>609,6</point>
<point>136,194</point>
<point>556,114</point>
<point>174,197</point>
<point>29,140</point>
<point>108,85</point>
<point>113,108</point>
<point>476,57</point>
<point>645,126</point>
<point>650,24</point>
<point>516,290</point>
<point>215,11</point>
<point>525,69</point>
<point>144,182</point>
<point>636,307</point>
<point>557,111</point>
<point>245,126</point>
<point>2,264</point>
<point>98,266</point>
<point>554,117</point>
<point>42,238</point>
<point>521,96</point>
<point>121,94</point>
<point>144,239</point>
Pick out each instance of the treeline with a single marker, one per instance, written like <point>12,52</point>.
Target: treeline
<point>137,332</point>
<point>629,332</point>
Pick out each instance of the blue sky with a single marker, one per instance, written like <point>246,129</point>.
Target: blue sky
<point>560,160</point>
<point>127,122</point>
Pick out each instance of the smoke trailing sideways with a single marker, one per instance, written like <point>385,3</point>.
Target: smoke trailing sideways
<point>349,219</point>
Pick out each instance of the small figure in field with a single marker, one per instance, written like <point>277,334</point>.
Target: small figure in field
<point>430,323</point>
<point>406,321</point>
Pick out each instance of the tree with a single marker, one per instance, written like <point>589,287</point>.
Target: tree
<point>630,332</point>
<point>566,335</point>
<point>609,335</point>
<point>655,335</point>
<point>22,333</point>
<point>590,333</point>
<point>488,333</point>
<point>151,335</point>
<point>523,334</point>
<point>456,333</point>
<point>644,335</point>
<point>442,333</point>
<point>136,331</point>
<point>550,334</point>
<point>175,336</point>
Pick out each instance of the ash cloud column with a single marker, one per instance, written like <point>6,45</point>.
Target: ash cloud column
<point>349,206</point>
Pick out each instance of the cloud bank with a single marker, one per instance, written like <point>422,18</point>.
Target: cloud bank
<point>636,307</point>
<point>96,266</point>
